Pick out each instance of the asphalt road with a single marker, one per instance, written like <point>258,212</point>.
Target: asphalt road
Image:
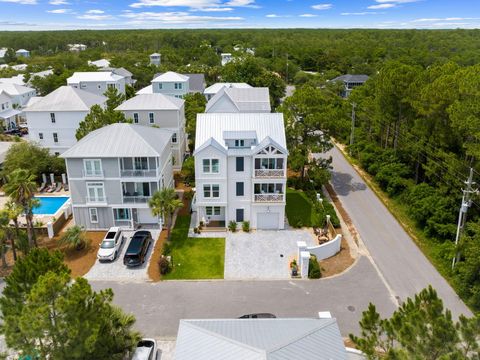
<point>403,266</point>
<point>159,306</point>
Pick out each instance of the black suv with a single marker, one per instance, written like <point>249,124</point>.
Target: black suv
<point>137,249</point>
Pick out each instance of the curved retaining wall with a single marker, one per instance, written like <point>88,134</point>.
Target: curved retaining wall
<point>326,250</point>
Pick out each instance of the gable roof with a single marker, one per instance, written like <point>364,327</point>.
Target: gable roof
<point>352,78</point>
<point>245,99</point>
<point>216,125</point>
<point>17,79</point>
<point>170,76</point>
<point>15,89</point>
<point>121,140</point>
<point>93,76</point>
<point>146,90</point>
<point>215,88</point>
<point>196,82</point>
<point>262,339</point>
<point>101,63</point>
<point>67,98</point>
<point>151,102</point>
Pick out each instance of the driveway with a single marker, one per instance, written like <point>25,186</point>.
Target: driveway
<point>116,271</point>
<point>262,255</point>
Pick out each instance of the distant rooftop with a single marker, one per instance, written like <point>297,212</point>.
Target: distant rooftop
<point>352,78</point>
<point>93,76</point>
<point>151,102</point>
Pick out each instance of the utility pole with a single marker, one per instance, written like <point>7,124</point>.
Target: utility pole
<point>462,216</point>
<point>352,133</point>
<point>286,76</point>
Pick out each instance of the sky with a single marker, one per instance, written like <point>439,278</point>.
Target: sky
<point>134,14</point>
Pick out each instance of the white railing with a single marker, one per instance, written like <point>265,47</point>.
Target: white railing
<point>96,199</point>
<point>136,199</point>
<point>269,197</point>
<point>269,173</point>
<point>138,173</point>
<point>93,174</point>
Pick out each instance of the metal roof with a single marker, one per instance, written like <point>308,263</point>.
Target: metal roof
<point>93,76</point>
<point>9,113</point>
<point>121,140</point>
<point>272,339</point>
<point>245,99</point>
<point>101,63</point>
<point>170,76</point>
<point>265,125</point>
<point>352,78</point>
<point>213,89</point>
<point>151,102</point>
<point>146,90</point>
<point>67,98</point>
<point>245,134</point>
<point>15,89</point>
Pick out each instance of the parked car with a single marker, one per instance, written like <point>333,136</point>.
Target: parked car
<point>146,350</point>
<point>110,245</point>
<point>258,316</point>
<point>138,248</point>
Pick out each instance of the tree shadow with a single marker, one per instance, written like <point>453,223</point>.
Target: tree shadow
<point>343,184</point>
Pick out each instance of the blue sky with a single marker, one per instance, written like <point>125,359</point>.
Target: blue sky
<point>130,14</point>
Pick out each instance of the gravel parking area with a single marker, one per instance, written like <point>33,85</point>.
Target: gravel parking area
<point>116,271</point>
<point>263,254</point>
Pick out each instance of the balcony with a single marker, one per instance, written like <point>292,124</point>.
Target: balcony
<point>269,173</point>
<point>93,174</point>
<point>96,200</point>
<point>138,173</point>
<point>269,198</point>
<point>136,199</point>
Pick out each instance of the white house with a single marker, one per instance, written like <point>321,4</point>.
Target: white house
<point>23,53</point>
<point>155,59</point>
<point>97,82</point>
<point>20,94</point>
<point>174,84</point>
<point>114,171</point>
<point>240,169</point>
<point>53,120</point>
<point>212,90</point>
<point>8,115</point>
<point>3,51</point>
<point>226,58</point>
<point>240,100</point>
<point>121,72</point>
<point>17,79</point>
<point>76,47</point>
<point>165,112</point>
<point>102,63</point>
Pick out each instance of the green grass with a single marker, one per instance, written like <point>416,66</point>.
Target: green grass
<point>298,208</point>
<point>194,258</point>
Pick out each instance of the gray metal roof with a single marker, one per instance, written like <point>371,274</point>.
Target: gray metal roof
<point>151,102</point>
<point>242,134</point>
<point>272,339</point>
<point>352,78</point>
<point>67,98</point>
<point>121,140</point>
<point>213,89</point>
<point>265,125</point>
<point>244,99</point>
<point>196,82</point>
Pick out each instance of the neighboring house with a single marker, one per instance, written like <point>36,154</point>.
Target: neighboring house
<point>53,120</point>
<point>8,115</point>
<point>260,339</point>
<point>20,94</point>
<point>17,79</point>
<point>174,84</point>
<point>240,169</point>
<point>155,59</point>
<point>350,82</point>
<point>97,82</point>
<point>19,67</point>
<point>76,47</point>
<point>240,100</point>
<point>23,53</point>
<point>102,63</point>
<point>212,90</point>
<point>122,72</point>
<point>4,147</point>
<point>114,171</point>
<point>166,112</point>
<point>3,51</point>
<point>226,58</point>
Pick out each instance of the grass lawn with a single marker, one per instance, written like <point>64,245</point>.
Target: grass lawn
<point>298,208</point>
<point>194,258</point>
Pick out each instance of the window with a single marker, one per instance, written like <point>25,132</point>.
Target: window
<point>151,118</point>
<point>141,163</point>
<point>212,210</point>
<point>83,86</point>
<point>52,117</point>
<point>55,137</point>
<point>178,86</point>
<point>57,153</point>
<point>240,215</point>
<point>135,118</point>
<point>111,86</point>
<point>174,138</point>
<point>211,166</point>
<point>239,143</point>
<point>160,86</point>
<point>121,214</point>
<point>93,215</point>
<point>93,167</point>
<point>268,189</point>
<point>240,189</point>
<point>95,192</point>
<point>40,136</point>
<point>240,164</point>
<point>212,191</point>
<point>271,163</point>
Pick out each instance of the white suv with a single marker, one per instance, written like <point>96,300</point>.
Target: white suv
<point>111,244</point>
<point>146,350</point>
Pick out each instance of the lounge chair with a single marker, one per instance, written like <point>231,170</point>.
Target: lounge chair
<point>52,188</point>
<point>59,187</point>
<point>65,187</point>
<point>42,187</point>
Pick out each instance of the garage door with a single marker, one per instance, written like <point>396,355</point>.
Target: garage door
<point>267,221</point>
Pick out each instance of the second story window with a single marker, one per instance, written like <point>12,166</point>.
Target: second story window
<point>95,192</point>
<point>135,118</point>
<point>174,138</point>
<point>55,137</point>
<point>211,191</point>
<point>93,167</point>
<point>178,86</point>
<point>240,166</point>
<point>211,166</point>
<point>160,86</point>
<point>151,118</point>
<point>40,136</point>
<point>52,118</point>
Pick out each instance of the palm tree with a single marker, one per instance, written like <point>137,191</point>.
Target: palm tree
<point>5,235</point>
<point>14,211</point>
<point>21,187</point>
<point>75,237</point>
<point>164,203</point>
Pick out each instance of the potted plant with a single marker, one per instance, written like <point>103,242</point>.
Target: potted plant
<point>294,267</point>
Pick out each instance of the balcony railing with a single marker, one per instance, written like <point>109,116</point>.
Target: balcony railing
<point>269,173</point>
<point>138,173</point>
<point>269,197</point>
<point>93,174</point>
<point>136,199</point>
<point>96,199</point>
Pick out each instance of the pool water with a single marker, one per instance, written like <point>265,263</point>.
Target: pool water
<point>49,205</point>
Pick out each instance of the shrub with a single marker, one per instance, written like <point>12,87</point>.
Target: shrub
<point>246,226</point>
<point>232,226</point>
<point>164,265</point>
<point>297,222</point>
<point>167,249</point>
<point>314,268</point>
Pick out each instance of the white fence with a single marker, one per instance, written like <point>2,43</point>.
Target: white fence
<point>326,250</point>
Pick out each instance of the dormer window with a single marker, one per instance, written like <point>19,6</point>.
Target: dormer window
<point>239,143</point>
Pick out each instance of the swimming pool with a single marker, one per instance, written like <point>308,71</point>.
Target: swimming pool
<point>49,205</point>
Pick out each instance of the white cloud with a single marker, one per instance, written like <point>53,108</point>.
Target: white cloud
<point>360,13</point>
<point>308,15</point>
<point>388,4</point>
<point>23,2</point>
<point>178,17</point>
<point>322,6</point>
<point>59,11</point>
<point>381,6</point>
<point>214,9</point>
<point>201,5</point>
<point>95,11</point>
<point>58,2</point>
<point>94,17</point>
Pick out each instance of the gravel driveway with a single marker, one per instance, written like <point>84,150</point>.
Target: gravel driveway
<point>262,254</point>
<point>116,271</point>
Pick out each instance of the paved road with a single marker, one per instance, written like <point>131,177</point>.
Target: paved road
<point>404,267</point>
<point>159,306</point>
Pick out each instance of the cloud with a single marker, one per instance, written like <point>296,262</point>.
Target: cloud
<point>360,13</point>
<point>23,2</point>
<point>95,11</point>
<point>15,23</point>
<point>388,4</point>
<point>176,17</point>
<point>426,20</point>
<point>58,2</point>
<point>200,5</point>
<point>322,6</point>
<point>214,9</point>
<point>59,11</point>
<point>308,15</point>
<point>94,17</point>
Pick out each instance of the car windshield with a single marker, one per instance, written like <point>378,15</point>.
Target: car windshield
<point>107,244</point>
<point>110,235</point>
